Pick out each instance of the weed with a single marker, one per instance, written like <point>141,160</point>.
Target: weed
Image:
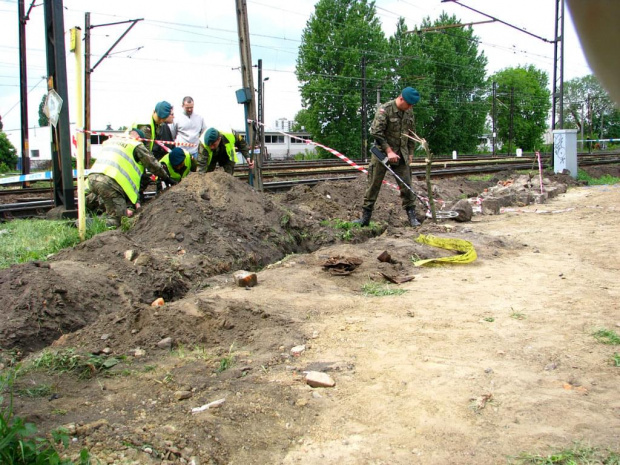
<point>578,454</point>
<point>126,223</point>
<point>40,390</point>
<point>227,361</point>
<point>517,316</point>
<point>59,411</point>
<point>68,361</point>
<point>489,319</point>
<point>603,180</point>
<point>380,290</point>
<point>615,359</point>
<point>607,336</point>
<point>148,368</point>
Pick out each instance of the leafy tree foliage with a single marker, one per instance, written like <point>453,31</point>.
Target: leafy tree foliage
<point>447,69</point>
<point>523,102</point>
<point>8,153</point>
<point>334,40</point>
<point>43,119</point>
<point>588,108</point>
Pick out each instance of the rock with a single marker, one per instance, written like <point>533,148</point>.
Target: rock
<point>130,255</point>
<point>298,350</point>
<point>182,395</point>
<point>246,279</point>
<point>319,379</point>
<point>143,259</point>
<point>165,343</point>
<point>464,210</point>
<point>490,207</point>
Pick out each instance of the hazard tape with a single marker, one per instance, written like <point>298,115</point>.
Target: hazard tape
<point>125,135</point>
<point>42,176</point>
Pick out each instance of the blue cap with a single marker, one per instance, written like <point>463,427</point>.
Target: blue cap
<point>211,136</point>
<point>410,95</point>
<point>163,109</point>
<point>140,133</point>
<point>176,156</point>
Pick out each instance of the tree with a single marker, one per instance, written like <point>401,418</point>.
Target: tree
<point>522,106</point>
<point>336,37</point>
<point>8,153</point>
<point>43,119</point>
<point>445,66</point>
<point>588,108</point>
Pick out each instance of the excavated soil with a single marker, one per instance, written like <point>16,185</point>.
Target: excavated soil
<point>472,364</point>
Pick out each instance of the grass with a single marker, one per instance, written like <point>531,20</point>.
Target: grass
<point>577,455</point>
<point>603,180</point>
<point>40,390</point>
<point>69,361</point>
<point>30,240</point>
<point>615,359</point>
<point>380,290</point>
<point>228,361</point>
<point>607,336</point>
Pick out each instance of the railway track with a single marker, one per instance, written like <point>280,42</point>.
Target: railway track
<point>282,175</point>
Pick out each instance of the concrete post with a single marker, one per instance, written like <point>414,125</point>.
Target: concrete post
<point>565,151</point>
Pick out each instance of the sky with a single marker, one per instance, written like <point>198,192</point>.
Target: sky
<point>190,47</point>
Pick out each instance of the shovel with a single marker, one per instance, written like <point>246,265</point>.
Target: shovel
<point>382,157</point>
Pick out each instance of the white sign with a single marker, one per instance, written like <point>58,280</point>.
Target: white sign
<point>53,105</point>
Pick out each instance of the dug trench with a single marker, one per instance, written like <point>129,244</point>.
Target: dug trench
<point>212,340</point>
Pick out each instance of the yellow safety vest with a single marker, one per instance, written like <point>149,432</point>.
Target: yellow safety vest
<point>116,160</point>
<point>153,135</point>
<point>173,174</point>
<point>230,146</point>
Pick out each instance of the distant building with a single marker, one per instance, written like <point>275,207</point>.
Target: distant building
<point>283,124</point>
<point>282,147</point>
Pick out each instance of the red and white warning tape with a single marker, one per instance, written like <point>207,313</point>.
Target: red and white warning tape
<point>126,135</point>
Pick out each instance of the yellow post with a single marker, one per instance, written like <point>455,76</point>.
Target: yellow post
<point>76,48</point>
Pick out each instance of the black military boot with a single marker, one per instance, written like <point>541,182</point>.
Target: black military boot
<point>413,221</point>
<point>365,219</point>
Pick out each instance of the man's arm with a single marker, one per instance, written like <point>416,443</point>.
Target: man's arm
<point>147,159</point>
<point>378,127</point>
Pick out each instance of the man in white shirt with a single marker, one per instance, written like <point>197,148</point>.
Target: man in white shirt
<point>188,126</point>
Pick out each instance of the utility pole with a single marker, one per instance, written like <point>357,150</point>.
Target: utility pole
<point>246,94</point>
<point>364,111</point>
<point>511,127</point>
<point>61,135</point>
<point>88,71</point>
<point>23,89</point>
<point>494,134</point>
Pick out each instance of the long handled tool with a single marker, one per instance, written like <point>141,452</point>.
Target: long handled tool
<point>382,157</point>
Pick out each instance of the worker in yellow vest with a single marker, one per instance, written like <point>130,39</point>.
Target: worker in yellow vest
<point>158,129</point>
<point>220,148</point>
<point>114,179</point>
<point>178,163</point>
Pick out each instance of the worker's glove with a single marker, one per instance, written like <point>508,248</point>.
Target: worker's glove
<point>171,182</point>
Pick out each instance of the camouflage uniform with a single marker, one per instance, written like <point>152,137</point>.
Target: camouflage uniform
<point>388,128</point>
<point>105,190</point>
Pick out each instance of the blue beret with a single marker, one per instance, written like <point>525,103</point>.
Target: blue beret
<point>140,133</point>
<point>410,95</point>
<point>211,136</point>
<point>176,156</point>
<point>163,109</point>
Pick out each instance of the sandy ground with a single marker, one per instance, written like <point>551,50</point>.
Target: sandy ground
<point>473,364</point>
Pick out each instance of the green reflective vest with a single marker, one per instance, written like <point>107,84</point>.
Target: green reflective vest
<point>116,160</point>
<point>153,135</point>
<point>229,145</point>
<point>173,174</point>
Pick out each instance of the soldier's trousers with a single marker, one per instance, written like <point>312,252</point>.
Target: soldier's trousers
<point>106,190</point>
<point>376,174</point>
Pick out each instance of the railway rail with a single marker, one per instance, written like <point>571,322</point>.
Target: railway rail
<point>282,175</point>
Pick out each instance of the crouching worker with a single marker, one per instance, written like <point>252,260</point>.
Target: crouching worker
<point>178,163</point>
<point>220,148</point>
<point>114,179</point>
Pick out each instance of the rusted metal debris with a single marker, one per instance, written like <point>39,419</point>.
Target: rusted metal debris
<point>341,266</point>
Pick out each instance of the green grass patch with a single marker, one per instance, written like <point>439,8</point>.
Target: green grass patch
<point>40,390</point>
<point>607,336</point>
<point>577,455</point>
<point>480,177</point>
<point>603,180</point>
<point>380,290</point>
<point>30,239</point>
<point>615,359</point>
<point>69,361</point>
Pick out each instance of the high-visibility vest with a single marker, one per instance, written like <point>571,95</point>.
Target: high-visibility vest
<point>173,174</point>
<point>116,160</point>
<point>230,146</point>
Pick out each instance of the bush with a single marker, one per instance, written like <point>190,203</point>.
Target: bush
<point>8,153</point>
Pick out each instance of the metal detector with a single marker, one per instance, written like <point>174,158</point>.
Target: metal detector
<point>382,157</point>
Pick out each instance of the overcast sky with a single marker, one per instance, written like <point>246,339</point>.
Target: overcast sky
<point>190,47</point>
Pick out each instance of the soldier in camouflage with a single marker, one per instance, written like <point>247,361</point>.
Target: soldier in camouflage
<point>392,120</point>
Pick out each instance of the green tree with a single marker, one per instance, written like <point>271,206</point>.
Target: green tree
<point>8,153</point>
<point>588,108</point>
<point>523,102</point>
<point>43,119</point>
<point>336,37</point>
<point>444,64</point>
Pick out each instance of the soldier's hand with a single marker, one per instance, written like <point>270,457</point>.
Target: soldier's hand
<point>392,157</point>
